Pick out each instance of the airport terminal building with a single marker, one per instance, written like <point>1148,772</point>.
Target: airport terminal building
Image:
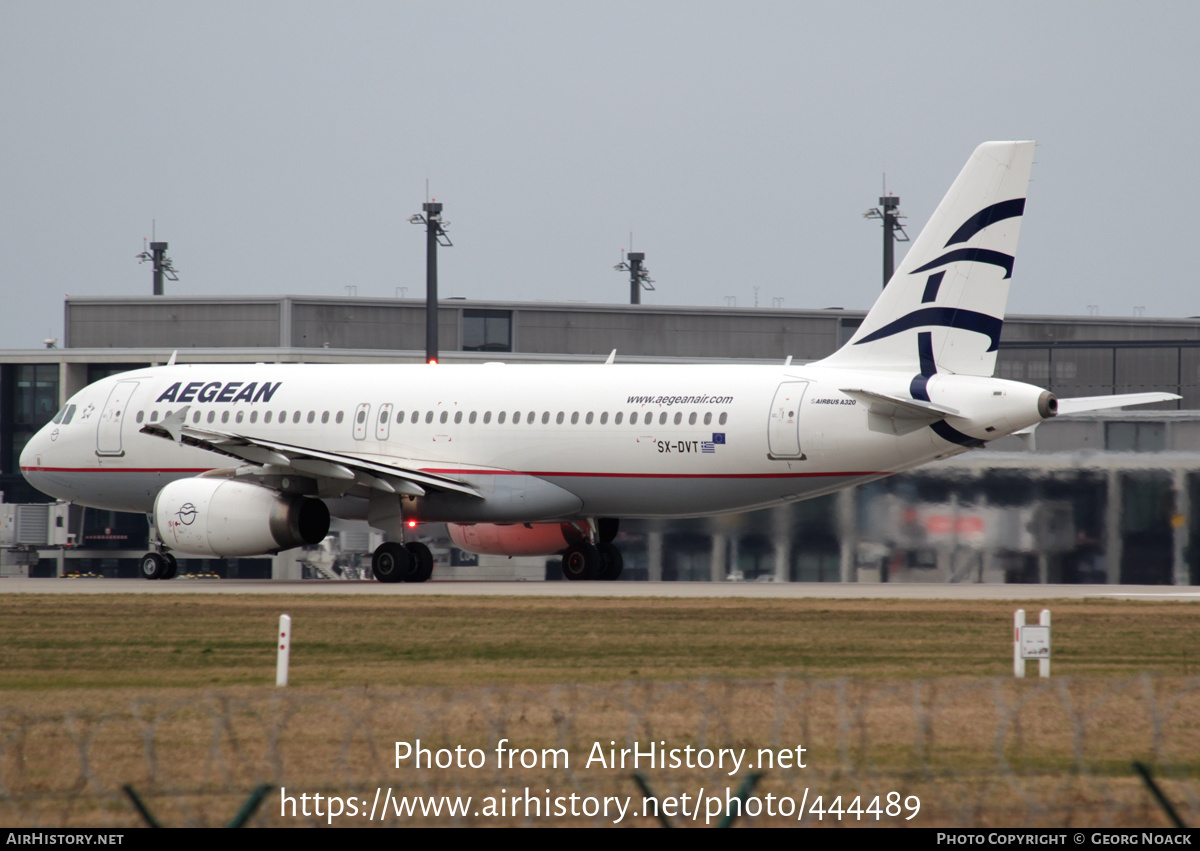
<point>1103,497</point>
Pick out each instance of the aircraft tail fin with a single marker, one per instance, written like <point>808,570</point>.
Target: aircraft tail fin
<point>943,309</point>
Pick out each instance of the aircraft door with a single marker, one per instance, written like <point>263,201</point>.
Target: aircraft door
<point>783,430</point>
<point>360,421</point>
<point>108,429</point>
<point>383,423</point>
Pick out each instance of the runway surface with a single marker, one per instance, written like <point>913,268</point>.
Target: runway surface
<point>753,590</point>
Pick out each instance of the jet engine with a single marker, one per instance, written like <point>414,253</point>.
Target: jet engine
<point>517,539</point>
<point>222,517</point>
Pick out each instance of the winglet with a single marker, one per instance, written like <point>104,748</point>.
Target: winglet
<point>612,356</point>
<point>171,359</point>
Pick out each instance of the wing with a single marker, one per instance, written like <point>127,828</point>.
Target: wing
<point>303,460</point>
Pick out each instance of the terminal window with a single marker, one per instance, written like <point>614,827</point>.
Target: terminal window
<point>487,331</point>
<point>36,393</point>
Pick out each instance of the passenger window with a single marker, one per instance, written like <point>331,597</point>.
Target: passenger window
<point>341,415</point>
<point>267,418</point>
<point>59,418</point>
<point>559,418</point>
<point>724,417</point>
<point>545,417</point>
<point>444,416</point>
<point>239,416</point>
<point>529,419</point>
<point>224,416</point>
<point>662,418</point>
<point>400,418</point>
<point>415,418</point>
<point>516,417</point>
<point>428,417</point>
<point>708,418</point>
<point>457,417</point>
<point>678,417</point>
<point>617,418</point>
<point>487,417</point>
<point>283,416</point>
<point>361,417</point>
<point>254,416</point>
<point>196,417</point>
<point>324,417</point>
<point>692,418</point>
<point>633,418</point>
<point>588,419</point>
<point>212,415</point>
<point>153,416</point>
<point>575,418</point>
<point>500,417</point>
<point>471,419</point>
<point>383,415</point>
<point>296,417</point>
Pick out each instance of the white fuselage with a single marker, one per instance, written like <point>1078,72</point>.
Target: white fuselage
<point>539,442</point>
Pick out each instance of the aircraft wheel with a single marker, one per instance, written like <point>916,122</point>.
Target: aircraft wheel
<point>422,562</point>
<point>581,561</point>
<point>607,527</point>
<point>391,562</point>
<point>611,562</point>
<point>153,566</point>
<point>172,566</point>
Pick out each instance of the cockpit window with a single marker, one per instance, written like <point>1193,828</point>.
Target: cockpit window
<point>64,415</point>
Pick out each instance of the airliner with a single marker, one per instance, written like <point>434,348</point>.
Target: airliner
<point>245,460</point>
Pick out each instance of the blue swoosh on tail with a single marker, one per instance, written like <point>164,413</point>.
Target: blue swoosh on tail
<point>974,255</point>
<point>985,217</point>
<point>945,317</point>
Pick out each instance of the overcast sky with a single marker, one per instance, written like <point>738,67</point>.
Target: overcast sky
<point>282,146</point>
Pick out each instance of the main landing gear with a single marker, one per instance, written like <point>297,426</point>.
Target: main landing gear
<point>158,566</point>
<point>599,560</point>
<point>394,562</point>
<point>592,561</point>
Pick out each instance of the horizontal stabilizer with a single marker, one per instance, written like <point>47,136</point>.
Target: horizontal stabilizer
<point>1083,404</point>
<point>894,406</point>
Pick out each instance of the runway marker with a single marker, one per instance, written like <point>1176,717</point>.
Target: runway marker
<point>285,647</point>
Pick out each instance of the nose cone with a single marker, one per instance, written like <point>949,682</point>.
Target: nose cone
<point>34,459</point>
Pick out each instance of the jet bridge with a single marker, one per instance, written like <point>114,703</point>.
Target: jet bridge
<point>26,528</point>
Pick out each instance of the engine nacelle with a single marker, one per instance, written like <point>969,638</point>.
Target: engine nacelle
<point>222,517</point>
<point>518,539</point>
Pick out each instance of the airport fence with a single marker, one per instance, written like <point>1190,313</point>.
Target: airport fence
<point>944,752</point>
